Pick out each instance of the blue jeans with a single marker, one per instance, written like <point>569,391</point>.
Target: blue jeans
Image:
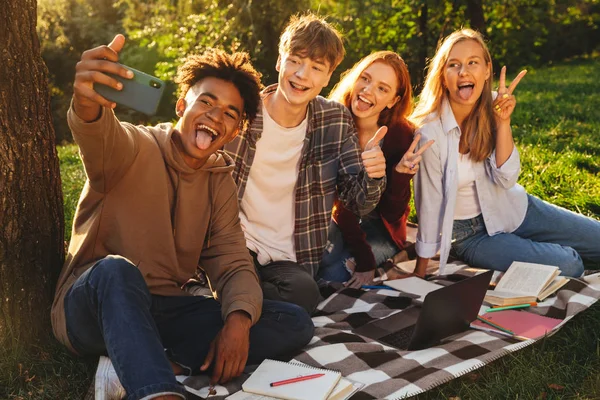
<point>548,235</point>
<point>109,310</point>
<point>333,264</point>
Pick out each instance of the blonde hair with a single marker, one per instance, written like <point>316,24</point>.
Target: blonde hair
<point>342,91</point>
<point>479,126</point>
<point>310,36</point>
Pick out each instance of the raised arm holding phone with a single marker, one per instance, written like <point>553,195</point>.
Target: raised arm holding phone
<point>159,202</point>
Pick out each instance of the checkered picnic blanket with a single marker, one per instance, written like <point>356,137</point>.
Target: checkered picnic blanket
<point>392,374</point>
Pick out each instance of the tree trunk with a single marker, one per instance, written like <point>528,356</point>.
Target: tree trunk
<point>476,17</point>
<point>31,212</point>
<point>424,47</point>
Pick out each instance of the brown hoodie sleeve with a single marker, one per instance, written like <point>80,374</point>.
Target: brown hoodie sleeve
<point>107,147</point>
<point>225,257</point>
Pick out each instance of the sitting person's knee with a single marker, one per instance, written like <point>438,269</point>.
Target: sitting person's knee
<point>117,271</point>
<point>305,292</point>
<point>573,266</point>
<point>304,327</point>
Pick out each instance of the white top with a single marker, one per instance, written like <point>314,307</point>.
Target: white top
<point>503,202</point>
<point>267,208</point>
<point>467,203</point>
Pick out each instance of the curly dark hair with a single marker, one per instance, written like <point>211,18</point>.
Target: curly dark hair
<point>235,68</point>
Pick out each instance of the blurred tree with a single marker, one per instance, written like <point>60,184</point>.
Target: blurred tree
<point>161,32</point>
<point>31,214</point>
<point>66,29</point>
<point>257,26</point>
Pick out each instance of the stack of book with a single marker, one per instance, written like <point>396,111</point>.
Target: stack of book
<point>525,283</point>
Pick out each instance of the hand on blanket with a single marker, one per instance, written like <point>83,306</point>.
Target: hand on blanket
<point>360,278</point>
<point>229,350</point>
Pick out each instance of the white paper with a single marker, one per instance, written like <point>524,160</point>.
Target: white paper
<point>414,285</point>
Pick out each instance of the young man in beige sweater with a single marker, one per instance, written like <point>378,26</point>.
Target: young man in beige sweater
<point>159,202</point>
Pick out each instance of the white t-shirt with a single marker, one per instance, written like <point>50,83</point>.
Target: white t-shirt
<point>467,202</point>
<point>267,209</point>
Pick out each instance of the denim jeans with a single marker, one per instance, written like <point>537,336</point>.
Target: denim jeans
<point>109,310</point>
<point>333,264</point>
<point>288,281</point>
<point>548,235</point>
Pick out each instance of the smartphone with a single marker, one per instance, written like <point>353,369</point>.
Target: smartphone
<point>141,93</point>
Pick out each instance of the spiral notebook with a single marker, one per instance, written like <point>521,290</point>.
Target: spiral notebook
<point>270,371</point>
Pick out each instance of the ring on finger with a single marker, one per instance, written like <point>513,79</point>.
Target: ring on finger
<point>505,96</point>
<point>497,108</point>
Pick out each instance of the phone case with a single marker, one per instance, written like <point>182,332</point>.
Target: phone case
<point>141,93</point>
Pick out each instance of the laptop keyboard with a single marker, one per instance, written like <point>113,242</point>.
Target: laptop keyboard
<point>399,339</point>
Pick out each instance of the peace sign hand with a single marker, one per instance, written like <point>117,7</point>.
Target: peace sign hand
<point>409,164</point>
<point>505,103</point>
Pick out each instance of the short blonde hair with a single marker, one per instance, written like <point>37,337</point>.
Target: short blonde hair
<point>309,35</point>
<point>480,129</point>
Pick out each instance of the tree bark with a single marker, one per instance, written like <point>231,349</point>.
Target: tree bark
<point>476,17</point>
<point>424,47</point>
<point>31,211</point>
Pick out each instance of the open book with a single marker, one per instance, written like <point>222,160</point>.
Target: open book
<point>525,283</point>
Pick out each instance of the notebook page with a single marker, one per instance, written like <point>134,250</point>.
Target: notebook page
<point>414,285</point>
<point>270,371</point>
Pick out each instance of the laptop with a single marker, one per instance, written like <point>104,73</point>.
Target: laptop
<point>445,312</point>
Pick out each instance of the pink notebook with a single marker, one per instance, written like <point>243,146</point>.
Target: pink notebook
<point>522,323</point>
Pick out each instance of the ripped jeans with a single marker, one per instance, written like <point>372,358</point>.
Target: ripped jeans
<point>333,266</point>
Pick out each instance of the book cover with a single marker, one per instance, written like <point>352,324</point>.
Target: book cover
<point>521,323</point>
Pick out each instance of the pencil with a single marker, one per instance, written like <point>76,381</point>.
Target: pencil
<point>376,287</point>
<point>514,306</point>
<point>495,325</point>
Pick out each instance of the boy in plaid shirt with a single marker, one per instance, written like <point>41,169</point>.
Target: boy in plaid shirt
<point>298,155</point>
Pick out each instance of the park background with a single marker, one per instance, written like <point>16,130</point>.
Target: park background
<point>555,125</point>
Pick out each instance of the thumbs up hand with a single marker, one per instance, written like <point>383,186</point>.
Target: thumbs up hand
<point>372,156</point>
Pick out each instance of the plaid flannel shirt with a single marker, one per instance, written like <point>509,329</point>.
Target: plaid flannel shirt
<point>330,166</point>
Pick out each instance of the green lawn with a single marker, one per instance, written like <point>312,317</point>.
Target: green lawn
<point>556,126</point>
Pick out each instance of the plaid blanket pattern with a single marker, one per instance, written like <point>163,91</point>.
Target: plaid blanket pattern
<point>392,374</point>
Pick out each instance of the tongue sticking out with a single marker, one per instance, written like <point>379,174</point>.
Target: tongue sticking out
<point>465,92</point>
<point>361,105</point>
<point>203,139</point>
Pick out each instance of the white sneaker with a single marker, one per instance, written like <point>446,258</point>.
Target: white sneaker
<point>107,384</point>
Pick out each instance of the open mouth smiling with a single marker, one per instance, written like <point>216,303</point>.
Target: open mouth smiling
<point>213,133</point>
<point>205,135</point>
<point>465,90</point>
<point>298,87</point>
<point>364,100</point>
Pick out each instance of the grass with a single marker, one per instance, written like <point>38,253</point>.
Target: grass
<point>556,126</point>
